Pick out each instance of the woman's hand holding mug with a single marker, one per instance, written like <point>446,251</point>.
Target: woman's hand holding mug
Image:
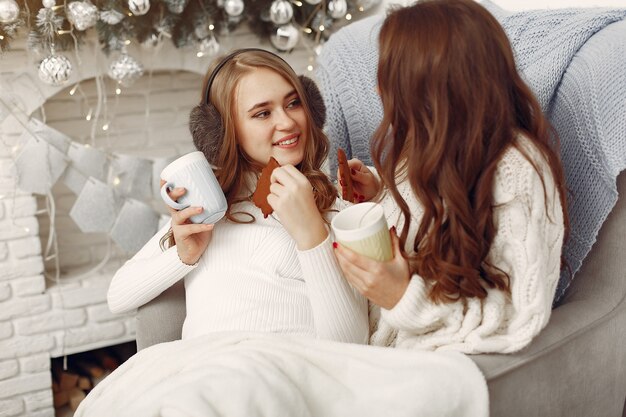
<point>191,239</point>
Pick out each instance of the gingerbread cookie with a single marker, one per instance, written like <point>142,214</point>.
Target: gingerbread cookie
<point>263,188</point>
<point>347,192</point>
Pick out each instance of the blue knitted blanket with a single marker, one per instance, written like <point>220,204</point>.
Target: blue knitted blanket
<point>578,78</point>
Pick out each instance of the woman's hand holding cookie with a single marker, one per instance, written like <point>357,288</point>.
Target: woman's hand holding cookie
<point>364,183</point>
<point>291,197</point>
<point>191,239</point>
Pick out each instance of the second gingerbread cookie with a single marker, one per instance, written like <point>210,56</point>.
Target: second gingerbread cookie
<point>347,191</point>
<point>259,198</point>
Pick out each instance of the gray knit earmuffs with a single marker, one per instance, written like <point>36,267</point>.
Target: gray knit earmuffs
<point>205,122</point>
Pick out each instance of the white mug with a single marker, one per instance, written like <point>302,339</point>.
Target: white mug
<point>193,172</point>
<point>363,228</point>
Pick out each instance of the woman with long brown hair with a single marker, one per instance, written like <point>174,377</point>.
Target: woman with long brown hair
<point>249,271</point>
<point>471,179</point>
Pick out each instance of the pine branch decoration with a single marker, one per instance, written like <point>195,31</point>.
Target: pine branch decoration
<point>184,22</point>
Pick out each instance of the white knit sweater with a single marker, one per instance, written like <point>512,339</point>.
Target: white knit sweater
<point>527,246</point>
<point>251,278</point>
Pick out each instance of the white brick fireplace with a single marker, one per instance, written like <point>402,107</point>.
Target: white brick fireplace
<point>41,318</point>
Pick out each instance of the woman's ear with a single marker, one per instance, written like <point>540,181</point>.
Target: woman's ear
<point>207,130</point>
<point>315,100</point>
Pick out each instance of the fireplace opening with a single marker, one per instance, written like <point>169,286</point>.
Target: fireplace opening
<point>74,376</point>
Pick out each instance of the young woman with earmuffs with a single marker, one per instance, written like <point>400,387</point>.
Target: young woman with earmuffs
<point>247,272</point>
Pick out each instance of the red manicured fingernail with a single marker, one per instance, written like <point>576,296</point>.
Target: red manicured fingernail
<point>335,245</point>
<point>352,171</point>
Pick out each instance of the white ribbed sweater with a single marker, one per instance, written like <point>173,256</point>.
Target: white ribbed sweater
<point>527,246</point>
<point>251,278</point>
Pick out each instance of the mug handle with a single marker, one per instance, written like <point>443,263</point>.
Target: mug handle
<point>168,200</point>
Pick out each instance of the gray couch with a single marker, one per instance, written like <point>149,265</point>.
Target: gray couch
<point>575,367</point>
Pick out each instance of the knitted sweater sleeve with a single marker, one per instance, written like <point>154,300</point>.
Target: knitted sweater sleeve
<point>145,275</point>
<point>527,247</point>
<point>339,311</point>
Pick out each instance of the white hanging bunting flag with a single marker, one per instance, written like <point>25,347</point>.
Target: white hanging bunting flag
<point>53,137</point>
<point>74,179</point>
<point>131,176</point>
<point>95,208</point>
<point>135,225</point>
<point>89,161</point>
<point>39,166</point>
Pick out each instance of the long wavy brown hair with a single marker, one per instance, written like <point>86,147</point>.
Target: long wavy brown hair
<point>453,104</point>
<point>214,130</point>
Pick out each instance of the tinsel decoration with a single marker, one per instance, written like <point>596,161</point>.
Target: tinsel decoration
<point>55,69</point>
<point>82,14</point>
<point>111,17</point>
<point>125,69</point>
<point>48,22</point>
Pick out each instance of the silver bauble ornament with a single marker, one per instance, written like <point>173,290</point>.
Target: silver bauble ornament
<point>55,70</point>
<point>176,6</point>
<point>233,7</point>
<point>139,7</point>
<point>337,8</point>
<point>208,47</point>
<point>285,38</point>
<point>313,2</point>
<point>9,11</point>
<point>82,14</point>
<point>281,12</point>
<point>48,4</point>
<point>125,70</point>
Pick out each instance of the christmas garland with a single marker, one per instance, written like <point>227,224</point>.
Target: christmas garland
<point>59,25</point>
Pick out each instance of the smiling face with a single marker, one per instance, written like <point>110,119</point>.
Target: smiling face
<point>270,118</point>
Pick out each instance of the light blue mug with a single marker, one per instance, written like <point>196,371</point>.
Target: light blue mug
<point>193,172</point>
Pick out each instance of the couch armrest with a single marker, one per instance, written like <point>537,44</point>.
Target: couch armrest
<point>161,320</point>
<point>577,365</point>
